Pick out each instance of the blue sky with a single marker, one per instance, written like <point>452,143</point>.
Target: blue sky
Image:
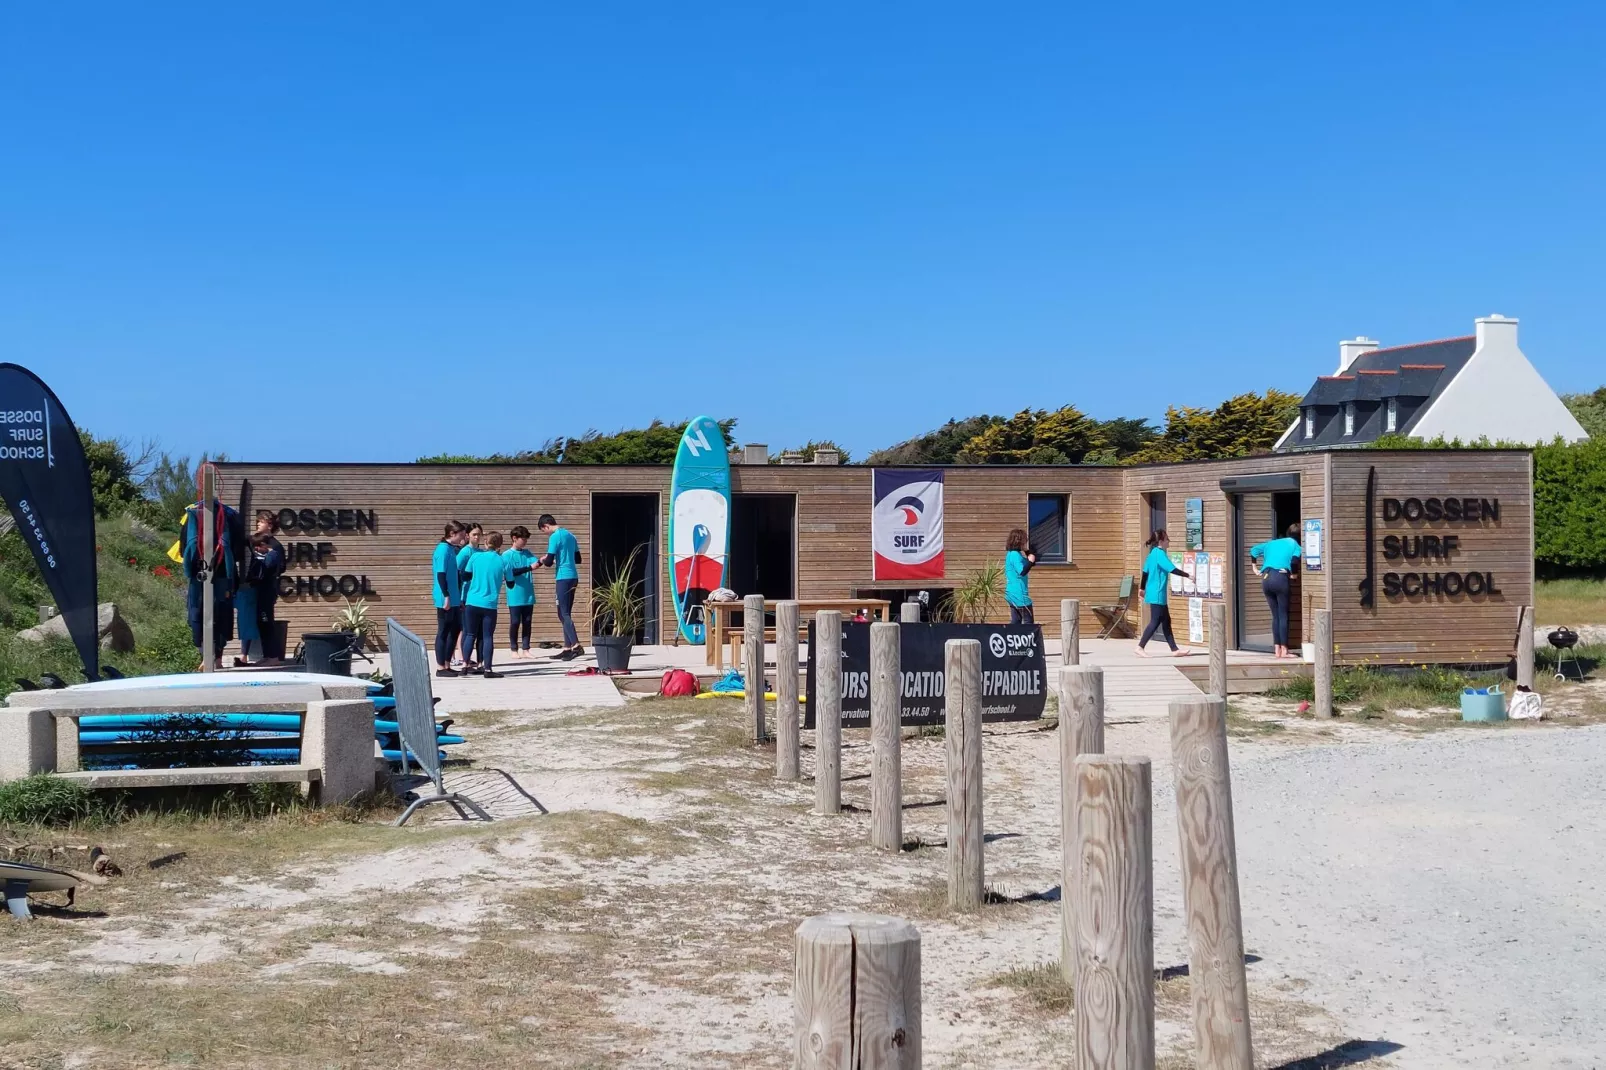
<point>372,231</point>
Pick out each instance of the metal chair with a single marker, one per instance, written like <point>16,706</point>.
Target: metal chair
<point>1115,616</point>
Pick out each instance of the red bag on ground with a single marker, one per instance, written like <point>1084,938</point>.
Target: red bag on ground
<point>677,683</point>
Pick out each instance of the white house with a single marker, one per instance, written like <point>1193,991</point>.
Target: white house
<point>1477,386</point>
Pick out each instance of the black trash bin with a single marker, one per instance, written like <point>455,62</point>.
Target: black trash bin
<point>327,652</point>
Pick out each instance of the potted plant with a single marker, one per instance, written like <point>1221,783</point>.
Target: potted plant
<point>617,609</point>
<point>972,601</point>
<point>354,621</point>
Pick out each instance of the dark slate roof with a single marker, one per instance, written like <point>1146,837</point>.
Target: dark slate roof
<point>1413,375</point>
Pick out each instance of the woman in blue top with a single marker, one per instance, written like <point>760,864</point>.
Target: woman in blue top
<point>473,540</point>
<point>486,575</point>
<point>1157,570</point>
<point>520,564</point>
<point>448,597</point>
<point>1018,561</point>
<point>563,557</point>
<point>1275,561</point>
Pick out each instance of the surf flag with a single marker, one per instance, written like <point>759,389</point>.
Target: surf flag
<point>44,478</point>
<point>906,524</point>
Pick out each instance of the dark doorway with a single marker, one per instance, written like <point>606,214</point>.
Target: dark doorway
<point>622,524</point>
<point>763,545</point>
<point>1260,516</point>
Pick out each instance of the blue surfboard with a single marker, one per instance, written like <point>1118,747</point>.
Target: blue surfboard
<point>699,522</point>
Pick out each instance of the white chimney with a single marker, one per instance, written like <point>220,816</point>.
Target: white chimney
<point>755,453</point>
<point>827,455</point>
<point>1495,329</point>
<point>1350,350</point>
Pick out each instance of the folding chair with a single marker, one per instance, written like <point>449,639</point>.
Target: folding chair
<point>1114,617</point>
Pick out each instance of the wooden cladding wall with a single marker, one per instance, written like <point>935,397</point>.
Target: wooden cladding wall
<point>1108,523</point>
<point>1447,626</point>
<point>1179,482</point>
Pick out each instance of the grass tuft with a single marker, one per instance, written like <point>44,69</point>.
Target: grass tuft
<point>1043,984</point>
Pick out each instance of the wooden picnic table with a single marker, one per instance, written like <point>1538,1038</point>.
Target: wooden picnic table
<point>718,629</point>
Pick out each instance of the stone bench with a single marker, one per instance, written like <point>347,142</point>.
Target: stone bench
<point>39,734</point>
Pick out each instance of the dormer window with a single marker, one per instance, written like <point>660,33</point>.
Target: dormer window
<point>1392,416</point>
<point>1349,417</point>
<point>1310,423</point>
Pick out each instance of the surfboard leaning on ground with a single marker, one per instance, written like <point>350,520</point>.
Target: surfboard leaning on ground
<point>699,520</point>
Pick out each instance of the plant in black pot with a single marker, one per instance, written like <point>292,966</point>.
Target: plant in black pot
<point>617,609</point>
<point>354,621</point>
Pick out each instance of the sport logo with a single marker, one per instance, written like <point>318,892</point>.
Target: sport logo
<point>996,644</point>
<point>912,509</point>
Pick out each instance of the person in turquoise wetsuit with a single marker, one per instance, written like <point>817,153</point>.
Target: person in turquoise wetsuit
<point>1018,561</point>
<point>470,546</point>
<point>1157,570</point>
<point>563,557</point>
<point>486,575</point>
<point>1275,561</point>
<point>521,564</point>
<point>448,596</point>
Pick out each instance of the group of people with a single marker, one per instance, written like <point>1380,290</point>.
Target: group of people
<point>474,574</point>
<point>1273,561</point>
<point>244,570</point>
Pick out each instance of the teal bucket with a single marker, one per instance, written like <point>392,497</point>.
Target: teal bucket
<point>1483,704</point>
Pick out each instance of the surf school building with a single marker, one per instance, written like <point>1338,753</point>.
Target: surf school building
<point>1422,555</point>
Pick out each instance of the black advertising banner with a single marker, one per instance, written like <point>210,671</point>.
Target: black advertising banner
<point>44,479</point>
<point>1014,672</point>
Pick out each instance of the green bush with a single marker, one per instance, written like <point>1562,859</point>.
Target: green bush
<point>1570,507</point>
<point>43,799</point>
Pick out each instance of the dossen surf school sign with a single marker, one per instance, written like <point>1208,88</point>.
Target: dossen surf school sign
<point>906,524</point>
<point>1014,672</point>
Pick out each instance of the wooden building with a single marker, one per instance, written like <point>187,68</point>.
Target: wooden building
<point>1424,555</point>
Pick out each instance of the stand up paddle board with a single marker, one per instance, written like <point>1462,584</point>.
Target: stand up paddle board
<point>218,679</point>
<point>699,522</point>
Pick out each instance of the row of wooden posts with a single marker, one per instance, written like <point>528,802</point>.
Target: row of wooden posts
<point>857,984</point>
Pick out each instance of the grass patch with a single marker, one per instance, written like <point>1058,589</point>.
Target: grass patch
<point>1386,689</point>
<point>1044,985</point>
<point>601,835</point>
<point>1573,601</point>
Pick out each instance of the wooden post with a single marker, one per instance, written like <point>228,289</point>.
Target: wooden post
<point>1210,884</point>
<point>788,726</point>
<point>966,854</point>
<point>827,704</point>
<point>1525,647</point>
<point>209,537</point>
<point>1114,909</point>
<point>1323,706</point>
<point>1081,732</point>
<point>753,666</point>
<point>909,613</point>
<point>856,994</point>
<point>1070,631</point>
<point>886,739</point>
<point>1218,649</point>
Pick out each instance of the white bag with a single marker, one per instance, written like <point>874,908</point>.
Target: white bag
<point>1526,706</point>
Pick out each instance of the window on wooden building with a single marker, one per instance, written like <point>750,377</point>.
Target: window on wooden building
<point>1048,520</point>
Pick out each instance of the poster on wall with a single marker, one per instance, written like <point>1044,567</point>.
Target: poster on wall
<point>906,524</point>
<point>1196,620</point>
<point>1176,563</point>
<point>1313,545</point>
<point>1014,672</point>
<point>44,478</point>
<point>1190,565</point>
<point>1195,514</point>
<point>1218,569</point>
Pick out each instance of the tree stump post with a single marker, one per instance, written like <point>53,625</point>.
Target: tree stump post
<point>886,738</point>
<point>1218,649</point>
<point>856,994</point>
<point>1070,631</point>
<point>788,725</point>
<point>1081,732</point>
<point>1525,647</point>
<point>1210,884</point>
<point>966,853</point>
<point>1323,706</point>
<point>827,705</point>
<point>909,613</point>
<point>1114,906</point>
<point>753,666</point>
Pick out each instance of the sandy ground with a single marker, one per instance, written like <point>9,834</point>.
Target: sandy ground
<point>1409,900</point>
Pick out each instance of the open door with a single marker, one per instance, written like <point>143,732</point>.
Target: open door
<point>1260,516</point>
<point>622,524</point>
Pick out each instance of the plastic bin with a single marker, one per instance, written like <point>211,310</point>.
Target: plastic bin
<point>1483,704</point>
<point>327,652</point>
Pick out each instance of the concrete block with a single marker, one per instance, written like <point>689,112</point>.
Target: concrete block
<point>339,740</point>
<point>27,743</point>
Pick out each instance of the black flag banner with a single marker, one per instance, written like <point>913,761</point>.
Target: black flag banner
<point>44,479</point>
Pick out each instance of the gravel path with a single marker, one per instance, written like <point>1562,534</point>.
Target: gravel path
<point>1443,893</point>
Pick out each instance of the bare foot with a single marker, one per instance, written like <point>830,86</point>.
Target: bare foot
<point>1141,653</point>
<point>1182,653</point>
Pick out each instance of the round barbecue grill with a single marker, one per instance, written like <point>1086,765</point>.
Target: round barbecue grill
<point>1563,639</point>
